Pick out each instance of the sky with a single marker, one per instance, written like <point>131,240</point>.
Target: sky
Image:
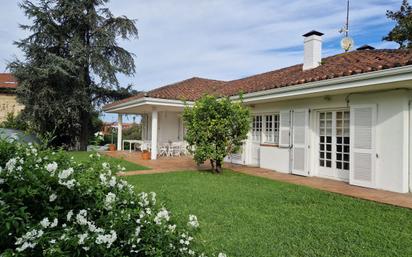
<point>223,39</point>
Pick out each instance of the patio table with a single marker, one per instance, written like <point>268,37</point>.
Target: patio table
<point>132,142</point>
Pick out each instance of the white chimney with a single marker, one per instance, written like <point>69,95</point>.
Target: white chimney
<point>313,50</point>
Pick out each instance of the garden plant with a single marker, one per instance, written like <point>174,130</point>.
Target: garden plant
<point>50,205</point>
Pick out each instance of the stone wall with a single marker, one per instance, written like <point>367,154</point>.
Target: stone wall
<point>8,104</point>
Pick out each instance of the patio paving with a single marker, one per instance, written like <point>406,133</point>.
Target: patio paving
<point>171,164</point>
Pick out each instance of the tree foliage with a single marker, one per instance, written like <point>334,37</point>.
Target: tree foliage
<point>402,32</point>
<point>15,122</point>
<point>71,60</point>
<point>215,129</point>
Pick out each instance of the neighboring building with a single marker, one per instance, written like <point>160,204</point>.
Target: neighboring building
<point>8,103</point>
<point>108,127</point>
<point>346,117</point>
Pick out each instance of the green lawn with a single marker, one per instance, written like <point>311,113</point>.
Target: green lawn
<point>129,166</point>
<point>249,216</point>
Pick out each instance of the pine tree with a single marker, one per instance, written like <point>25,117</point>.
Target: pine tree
<point>71,60</point>
<point>402,32</point>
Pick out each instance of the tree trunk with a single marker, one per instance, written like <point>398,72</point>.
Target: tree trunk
<point>212,163</point>
<point>84,130</point>
<point>218,168</point>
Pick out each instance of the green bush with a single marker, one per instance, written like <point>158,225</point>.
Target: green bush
<point>52,206</point>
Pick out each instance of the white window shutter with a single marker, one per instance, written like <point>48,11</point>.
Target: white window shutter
<point>300,124</point>
<point>363,153</point>
<point>284,129</point>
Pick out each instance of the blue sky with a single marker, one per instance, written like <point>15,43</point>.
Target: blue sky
<point>223,39</point>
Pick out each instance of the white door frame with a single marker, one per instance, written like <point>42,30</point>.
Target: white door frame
<point>316,136</point>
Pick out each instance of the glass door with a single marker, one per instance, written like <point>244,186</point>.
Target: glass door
<point>333,144</point>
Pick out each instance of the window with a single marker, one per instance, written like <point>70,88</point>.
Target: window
<point>272,129</point>
<point>257,128</point>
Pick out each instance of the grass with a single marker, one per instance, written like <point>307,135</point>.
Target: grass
<point>129,166</point>
<point>249,216</point>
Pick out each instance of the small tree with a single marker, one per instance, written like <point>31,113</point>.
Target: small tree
<point>215,129</point>
<point>402,32</point>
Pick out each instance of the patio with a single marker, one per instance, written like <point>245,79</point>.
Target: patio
<point>185,163</point>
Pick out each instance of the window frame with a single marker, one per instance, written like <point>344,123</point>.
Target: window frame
<point>274,120</point>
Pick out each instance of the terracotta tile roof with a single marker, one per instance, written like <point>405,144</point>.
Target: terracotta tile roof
<point>190,90</point>
<point>341,65</point>
<point>7,81</point>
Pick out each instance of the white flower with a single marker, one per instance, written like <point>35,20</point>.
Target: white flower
<point>222,255</point>
<point>193,221</point>
<point>143,199</point>
<point>137,231</point>
<point>82,237</point>
<point>51,167</point>
<point>81,217</point>
<point>103,179</point>
<point>69,215</point>
<point>1,181</point>
<point>53,241</point>
<point>52,197</point>
<point>112,182</point>
<point>26,240</point>
<point>65,173</point>
<point>2,203</point>
<point>105,165</point>
<point>107,238</point>
<point>45,222</point>
<point>54,224</point>
<point>11,164</point>
<point>171,228</point>
<point>153,196</point>
<point>163,214</point>
<point>69,184</point>
<point>109,200</point>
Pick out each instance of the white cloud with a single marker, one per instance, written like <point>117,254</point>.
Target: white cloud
<point>224,39</point>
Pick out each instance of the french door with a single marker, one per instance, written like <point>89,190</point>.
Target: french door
<point>334,144</point>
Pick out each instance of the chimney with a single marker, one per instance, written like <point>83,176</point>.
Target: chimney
<point>313,50</point>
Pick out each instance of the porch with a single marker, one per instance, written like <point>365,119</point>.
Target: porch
<point>162,127</point>
<point>186,163</point>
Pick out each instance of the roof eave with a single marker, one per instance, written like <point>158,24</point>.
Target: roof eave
<point>353,81</point>
<point>147,101</point>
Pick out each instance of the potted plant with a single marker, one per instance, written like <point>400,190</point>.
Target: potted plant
<point>112,147</point>
<point>146,155</point>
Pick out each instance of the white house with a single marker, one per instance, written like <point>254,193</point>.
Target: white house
<point>344,117</point>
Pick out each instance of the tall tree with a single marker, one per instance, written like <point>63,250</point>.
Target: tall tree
<point>402,32</point>
<point>71,60</point>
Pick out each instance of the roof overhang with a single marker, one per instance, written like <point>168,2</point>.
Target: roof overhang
<point>376,80</point>
<point>393,78</point>
<point>148,104</point>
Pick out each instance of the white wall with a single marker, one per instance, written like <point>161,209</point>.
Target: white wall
<point>392,134</point>
<point>392,143</point>
<point>170,127</point>
<point>274,158</point>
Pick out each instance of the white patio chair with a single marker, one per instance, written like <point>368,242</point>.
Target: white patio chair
<point>163,149</point>
<point>145,147</point>
<point>175,149</point>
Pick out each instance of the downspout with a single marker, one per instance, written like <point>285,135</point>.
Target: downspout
<point>409,146</point>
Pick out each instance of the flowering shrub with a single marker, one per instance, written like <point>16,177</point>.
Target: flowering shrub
<point>53,206</point>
